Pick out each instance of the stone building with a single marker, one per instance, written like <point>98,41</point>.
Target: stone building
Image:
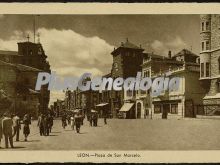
<point>28,61</point>
<point>210,61</point>
<point>127,60</point>
<point>18,81</point>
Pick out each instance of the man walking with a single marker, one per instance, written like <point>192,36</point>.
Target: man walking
<point>16,126</point>
<point>7,125</point>
<point>78,121</point>
<point>40,124</point>
<point>105,118</point>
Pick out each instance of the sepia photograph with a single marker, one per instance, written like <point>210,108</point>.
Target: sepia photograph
<point>109,82</point>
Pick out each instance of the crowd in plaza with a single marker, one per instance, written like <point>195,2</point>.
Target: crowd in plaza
<point>75,119</point>
<point>11,124</point>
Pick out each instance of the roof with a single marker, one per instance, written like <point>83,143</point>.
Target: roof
<point>20,67</point>
<point>26,68</point>
<point>7,52</point>
<point>107,75</point>
<point>185,52</point>
<point>128,45</point>
<point>158,56</point>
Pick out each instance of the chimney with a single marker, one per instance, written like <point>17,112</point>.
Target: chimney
<point>169,54</point>
<point>122,44</point>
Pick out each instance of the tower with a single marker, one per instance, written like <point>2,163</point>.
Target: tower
<point>210,57</point>
<point>127,60</point>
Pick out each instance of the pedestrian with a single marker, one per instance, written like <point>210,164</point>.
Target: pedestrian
<point>16,126</point>
<point>40,124</point>
<point>88,116</point>
<point>68,119</point>
<point>105,118</point>
<point>91,119</point>
<point>64,124</point>
<point>26,128</point>
<point>45,125</point>
<point>50,123</point>
<point>7,125</point>
<point>1,132</point>
<point>78,121</point>
<point>95,119</point>
<point>72,123</point>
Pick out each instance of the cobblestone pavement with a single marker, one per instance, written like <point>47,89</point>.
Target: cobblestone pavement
<point>126,134</point>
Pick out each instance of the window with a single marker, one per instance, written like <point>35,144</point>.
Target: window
<point>157,109</point>
<point>203,46</point>
<point>202,26</point>
<point>174,109</point>
<point>207,45</point>
<point>202,70</point>
<point>219,65</point>
<point>207,25</point>
<point>147,73</point>
<point>207,69</point>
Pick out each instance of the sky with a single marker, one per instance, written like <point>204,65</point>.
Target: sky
<point>76,44</point>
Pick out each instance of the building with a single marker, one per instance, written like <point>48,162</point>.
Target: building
<point>18,81</point>
<point>210,62</point>
<point>127,60</point>
<point>180,103</point>
<point>27,62</point>
<point>59,107</point>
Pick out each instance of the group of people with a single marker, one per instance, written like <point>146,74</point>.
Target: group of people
<point>93,119</point>
<point>45,124</point>
<point>10,126</point>
<point>74,120</point>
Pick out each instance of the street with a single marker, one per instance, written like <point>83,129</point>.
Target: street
<point>119,134</point>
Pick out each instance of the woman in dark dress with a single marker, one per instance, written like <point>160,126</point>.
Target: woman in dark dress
<point>26,128</point>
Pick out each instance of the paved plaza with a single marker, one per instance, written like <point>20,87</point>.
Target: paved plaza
<point>120,134</point>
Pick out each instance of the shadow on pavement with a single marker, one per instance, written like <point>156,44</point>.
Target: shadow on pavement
<point>29,141</point>
<point>83,132</point>
<point>15,147</point>
<point>56,132</point>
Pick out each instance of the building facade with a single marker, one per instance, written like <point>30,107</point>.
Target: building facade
<point>210,61</point>
<point>127,60</point>
<point>24,65</point>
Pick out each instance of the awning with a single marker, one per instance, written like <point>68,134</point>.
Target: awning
<point>126,107</point>
<point>93,111</point>
<point>102,104</point>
